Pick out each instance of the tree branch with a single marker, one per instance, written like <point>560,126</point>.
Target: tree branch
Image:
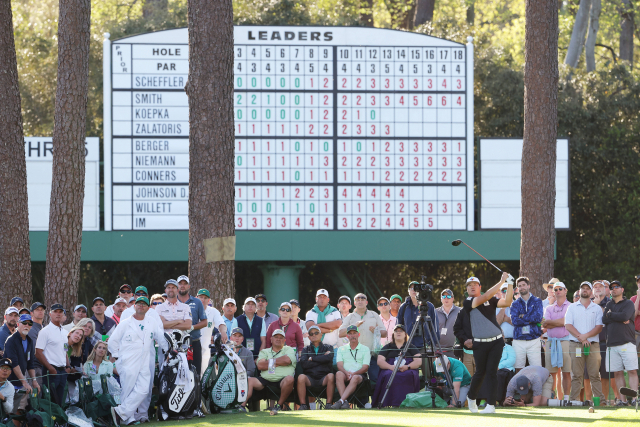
<point>613,53</point>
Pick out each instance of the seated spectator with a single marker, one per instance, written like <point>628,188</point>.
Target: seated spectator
<point>406,380</point>
<point>317,363</point>
<point>508,359</point>
<point>246,355</point>
<point>79,313</point>
<point>75,341</point>
<point>293,332</point>
<point>353,363</point>
<point>460,377</point>
<point>277,365</point>
<point>98,362</point>
<point>532,384</point>
<point>7,392</point>
<point>11,317</point>
<point>20,350</point>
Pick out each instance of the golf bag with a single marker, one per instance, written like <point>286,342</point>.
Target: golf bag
<point>224,384</point>
<point>179,383</point>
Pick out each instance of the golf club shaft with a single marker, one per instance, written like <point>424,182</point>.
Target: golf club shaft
<point>494,266</point>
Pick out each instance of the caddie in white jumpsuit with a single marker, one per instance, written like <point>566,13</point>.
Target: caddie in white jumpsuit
<point>131,344</point>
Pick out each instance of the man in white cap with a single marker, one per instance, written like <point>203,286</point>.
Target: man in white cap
<point>253,327</point>
<point>11,315</point>
<point>119,306</point>
<point>228,310</point>
<point>583,320</point>
<point>132,344</point>
<point>79,313</point>
<point>327,318</point>
<point>125,292</point>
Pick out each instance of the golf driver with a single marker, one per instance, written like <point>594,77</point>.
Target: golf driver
<point>458,242</point>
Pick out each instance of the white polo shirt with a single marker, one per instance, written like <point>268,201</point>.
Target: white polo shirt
<point>584,319</point>
<point>51,340</point>
<point>330,338</point>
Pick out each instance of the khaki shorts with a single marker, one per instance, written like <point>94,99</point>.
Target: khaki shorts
<point>566,357</point>
<point>547,387</point>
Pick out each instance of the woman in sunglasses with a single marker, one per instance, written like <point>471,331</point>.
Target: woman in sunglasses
<point>156,300</point>
<point>292,331</point>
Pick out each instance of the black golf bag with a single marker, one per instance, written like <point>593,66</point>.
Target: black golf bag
<point>178,400</point>
<point>224,383</point>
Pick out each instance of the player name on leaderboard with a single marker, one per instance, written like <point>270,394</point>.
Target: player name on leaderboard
<point>336,129</point>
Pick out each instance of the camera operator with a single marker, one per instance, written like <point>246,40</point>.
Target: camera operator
<point>529,387</point>
<point>487,338</point>
<point>409,311</point>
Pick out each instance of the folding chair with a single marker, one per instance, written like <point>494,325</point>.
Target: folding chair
<point>360,396</point>
<point>318,393</point>
<point>272,392</point>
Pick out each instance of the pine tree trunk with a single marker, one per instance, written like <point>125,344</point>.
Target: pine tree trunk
<point>211,143</point>
<point>592,35</point>
<point>539,149</point>
<point>424,11</point>
<point>15,258</point>
<point>578,35</point>
<point>67,187</point>
<point>626,31</point>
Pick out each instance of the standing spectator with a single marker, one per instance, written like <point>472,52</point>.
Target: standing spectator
<point>551,297</point>
<point>396,302</point>
<point>533,384</point>
<point>98,363</point>
<point>277,365</point>
<point>228,310</point>
<point>583,320</point>
<point>37,315</point>
<point>388,320</point>
<point>487,339</point>
<point>173,313</point>
<point>462,331</point>
<point>353,363</point>
<point>526,314</point>
<point>214,320</point>
<point>104,325</point>
<point>557,358</point>
<point>295,315</point>
<point>75,343</point>
<point>576,296</point>
<point>503,316</point>
<point>317,364</point>
<point>50,352</point>
<point>328,318</point>
<point>409,311</point>
<point>125,293</point>
<point>11,317</point>
<point>156,300</point>
<point>292,331</point>
<point>90,337</point>
<point>367,322</point>
<point>636,305</point>
<point>621,356</point>
<point>118,307</point>
<point>17,302</point>
<point>254,329</point>
<point>141,291</point>
<point>261,300</point>
<point>344,305</point>
<point>460,377</point>
<point>79,313</point>
<point>600,297</point>
<point>447,315</point>
<point>7,391</point>
<point>198,319</point>
<point>406,380</point>
<point>20,349</point>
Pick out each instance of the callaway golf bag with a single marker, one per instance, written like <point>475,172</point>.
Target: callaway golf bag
<point>179,384</point>
<point>224,384</point>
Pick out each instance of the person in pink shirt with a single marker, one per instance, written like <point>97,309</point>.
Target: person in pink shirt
<point>292,331</point>
<point>389,321</point>
<point>558,341</point>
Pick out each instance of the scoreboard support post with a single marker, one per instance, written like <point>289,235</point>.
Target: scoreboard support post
<point>470,139</point>
<point>106,111</point>
<point>281,282</point>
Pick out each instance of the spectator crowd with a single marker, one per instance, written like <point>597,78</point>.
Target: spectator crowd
<point>555,350</point>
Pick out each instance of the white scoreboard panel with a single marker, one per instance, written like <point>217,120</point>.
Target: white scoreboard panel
<point>501,180</point>
<point>39,155</point>
<point>337,128</point>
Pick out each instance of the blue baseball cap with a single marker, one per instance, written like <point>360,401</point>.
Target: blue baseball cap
<point>25,318</point>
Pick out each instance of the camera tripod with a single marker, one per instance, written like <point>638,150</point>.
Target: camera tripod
<point>423,319</point>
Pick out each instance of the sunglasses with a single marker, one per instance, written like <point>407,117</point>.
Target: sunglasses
<point>28,323</point>
<point>382,304</point>
<point>261,300</point>
<point>285,309</point>
<point>156,303</point>
<point>504,291</point>
<point>616,287</point>
<point>361,299</point>
<point>313,334</point>
<point>558,290</point>
<point>447,296</point>
<point>126,292</point>
<point>141,294</point>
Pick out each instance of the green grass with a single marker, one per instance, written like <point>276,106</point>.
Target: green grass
<point>529,417</point>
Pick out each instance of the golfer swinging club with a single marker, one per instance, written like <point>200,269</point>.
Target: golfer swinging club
<point>487,338</point>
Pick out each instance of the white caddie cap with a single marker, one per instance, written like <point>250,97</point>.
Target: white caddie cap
<point>250,299</point>
<point>229,300</point>
<point>322,292</point>
<point>473,279</point>
<point>559,284</point>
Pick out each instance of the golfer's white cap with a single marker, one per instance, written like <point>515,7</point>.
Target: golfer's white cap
<point>322,292</point>
<point>229,300</point>
<point>473,279</point>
